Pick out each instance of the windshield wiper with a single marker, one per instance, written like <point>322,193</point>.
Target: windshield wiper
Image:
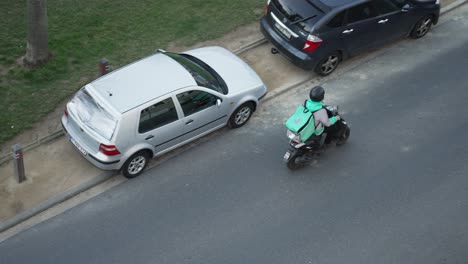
<point>302,20</point>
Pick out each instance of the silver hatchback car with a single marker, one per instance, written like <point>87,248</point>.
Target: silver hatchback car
<point>158,103</point>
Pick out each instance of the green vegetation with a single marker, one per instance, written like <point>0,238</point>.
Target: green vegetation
<point>83,31</point>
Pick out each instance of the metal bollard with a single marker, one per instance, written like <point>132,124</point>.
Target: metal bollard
<point>104,66</point>
<point>18,160</point>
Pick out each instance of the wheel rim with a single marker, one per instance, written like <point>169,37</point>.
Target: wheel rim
<point>330,64</point>
<point>136,165</point>
<point>242,116</point>
<point>424,27</point>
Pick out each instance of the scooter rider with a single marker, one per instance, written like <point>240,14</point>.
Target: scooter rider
<point>322,121</point>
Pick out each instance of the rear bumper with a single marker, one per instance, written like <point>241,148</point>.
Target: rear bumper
<point>436,15</point>
<point>306,61</point>
<point>106,163</point>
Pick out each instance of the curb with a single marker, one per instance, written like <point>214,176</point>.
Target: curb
<point>109,174</point>
<point>452,6</point>
<point>250,46</point>
<point>56,200</point>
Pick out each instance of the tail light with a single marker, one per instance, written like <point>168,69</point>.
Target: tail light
<point>266,7</point>
<point>109,150</point>
<point>312,43</point>
<point>65,111</point>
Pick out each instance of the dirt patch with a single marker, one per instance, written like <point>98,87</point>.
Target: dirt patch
<point>231,41</point>
<point>46,126</point>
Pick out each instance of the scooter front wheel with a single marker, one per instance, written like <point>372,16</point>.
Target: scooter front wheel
<point>344,137</point>
<point>293,163</point>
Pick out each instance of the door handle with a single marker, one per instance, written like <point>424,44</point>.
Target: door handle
<point>189,122</point>
<point>149,137</point>
<point>348,31</point>
<point>383,21</point>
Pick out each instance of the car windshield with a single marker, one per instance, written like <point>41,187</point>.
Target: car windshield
<point>203,74</point>
<point>93,115</point>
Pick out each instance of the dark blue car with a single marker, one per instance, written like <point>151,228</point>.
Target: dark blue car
<point>319,34</point>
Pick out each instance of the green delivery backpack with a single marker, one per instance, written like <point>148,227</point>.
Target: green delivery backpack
<point>302,122</point>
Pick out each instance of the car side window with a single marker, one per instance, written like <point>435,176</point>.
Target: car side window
<point>385,6</point>
<point>399,3</point>
<point>361,12</point>
<point>194,101</point>
<point>337,21</point>
<point>157,115</point>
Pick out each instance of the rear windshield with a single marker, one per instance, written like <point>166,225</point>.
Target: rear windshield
<point>302,13</point>
<point>93,115</point>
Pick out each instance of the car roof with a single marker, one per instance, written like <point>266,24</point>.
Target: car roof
<point>335,3</point>
<point>142,81</point>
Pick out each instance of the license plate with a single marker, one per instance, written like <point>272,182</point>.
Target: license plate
<point>286,155</point>
<point>283,30</point>
<point>80,148</point>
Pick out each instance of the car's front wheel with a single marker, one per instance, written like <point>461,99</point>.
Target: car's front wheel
<point>421,27</point>
<point>135,165</point>
<point>328,64</point>
<point>241,115</point>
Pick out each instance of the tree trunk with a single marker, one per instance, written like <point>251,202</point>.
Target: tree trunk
<point>37,49</point>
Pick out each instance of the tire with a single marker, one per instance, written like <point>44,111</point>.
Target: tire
<point>292,165</point>
<point>135,165</point>
<point>241,115</point>
<point>328,64</point>
<point>421,27</point>
<point>344,138</point>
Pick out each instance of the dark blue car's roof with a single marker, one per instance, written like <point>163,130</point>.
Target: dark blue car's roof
<point>335,3</point>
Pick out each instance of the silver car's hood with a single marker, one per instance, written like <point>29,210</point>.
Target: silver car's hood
<point>235,72</point>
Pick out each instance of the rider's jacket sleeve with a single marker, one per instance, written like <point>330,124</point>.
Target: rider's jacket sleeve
<point>321,118</point>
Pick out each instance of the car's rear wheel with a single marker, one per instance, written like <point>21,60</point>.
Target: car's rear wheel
<point>421,27</point>
<point>328,64</point>
<point>241,115</point>
<point>135,165</point>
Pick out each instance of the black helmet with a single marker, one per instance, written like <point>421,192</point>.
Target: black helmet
<point>317,94</point>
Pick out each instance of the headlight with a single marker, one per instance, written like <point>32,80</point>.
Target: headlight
<point>331,108</point>
<point>293,136</point>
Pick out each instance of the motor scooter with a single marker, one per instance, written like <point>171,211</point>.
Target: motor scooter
<point>301,153</point>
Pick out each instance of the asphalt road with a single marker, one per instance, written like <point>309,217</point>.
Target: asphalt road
<point>396,193</point>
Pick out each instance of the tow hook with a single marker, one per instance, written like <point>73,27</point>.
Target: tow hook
<point>274,51</point>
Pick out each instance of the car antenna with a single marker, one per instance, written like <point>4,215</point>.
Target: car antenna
<point>110,94</point>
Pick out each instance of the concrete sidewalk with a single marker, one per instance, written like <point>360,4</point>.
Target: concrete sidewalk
<point>55,171</point>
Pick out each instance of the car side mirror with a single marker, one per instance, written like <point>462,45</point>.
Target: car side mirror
<point>218,102</point>
<point>405,8</point>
